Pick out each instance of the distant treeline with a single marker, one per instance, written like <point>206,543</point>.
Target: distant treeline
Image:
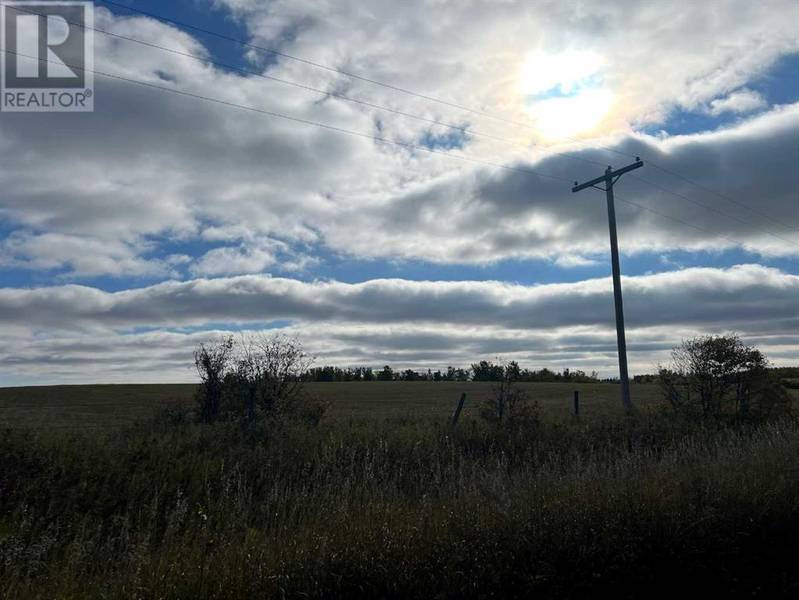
<point>489,371</point>
<point>481,371</point>
<point>788,376</point>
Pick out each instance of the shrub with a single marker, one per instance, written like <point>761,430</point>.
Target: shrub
<point>509,404</point>
<point>718,376</point>
<point>212,360</point>
<point>254,377</point>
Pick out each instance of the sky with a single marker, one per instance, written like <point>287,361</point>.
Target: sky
<point>422,223</point>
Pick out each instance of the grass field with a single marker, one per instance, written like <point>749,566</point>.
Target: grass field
<point>100,406</point>
<point>381,500</point>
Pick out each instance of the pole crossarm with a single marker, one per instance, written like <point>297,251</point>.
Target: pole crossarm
<point>610,177</point>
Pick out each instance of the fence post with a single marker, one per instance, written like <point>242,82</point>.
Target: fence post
<point>456,415</point>
<point>576,403</point>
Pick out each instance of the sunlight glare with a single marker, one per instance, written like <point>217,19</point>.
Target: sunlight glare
<point>561,118</point>
<point>563,92</point>
<point>564,72</point>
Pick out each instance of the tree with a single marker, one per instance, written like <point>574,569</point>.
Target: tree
<point>409,375</point>
<point>454,374</point>
<point>487,371</point>
<point>512,371</point>
<point>715,375</point>
<point>212,360</point>
<point>386,374</point>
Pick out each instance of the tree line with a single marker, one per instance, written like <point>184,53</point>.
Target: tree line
<point>480,371</point>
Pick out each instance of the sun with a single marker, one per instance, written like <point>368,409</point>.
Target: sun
<point>564,93</point>
<point>564,118</point>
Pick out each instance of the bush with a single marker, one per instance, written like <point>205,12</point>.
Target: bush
<point>255,377</point>
<point>719,376</point>
<point>212,361</point>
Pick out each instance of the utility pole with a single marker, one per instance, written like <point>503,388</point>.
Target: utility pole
<point>609,179</point>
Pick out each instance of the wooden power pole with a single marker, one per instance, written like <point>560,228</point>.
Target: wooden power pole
<point>609,179</point>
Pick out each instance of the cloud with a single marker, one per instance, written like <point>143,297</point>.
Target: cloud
<point>744,294</point>
<point>227,260</point>
<point>84,257</point>
<point>151,172</point>
<point>81,330</point>
<point>253,255</point>
<point>740,101</point>
<point>491,215</point>
<point>665,56</point>
<point>150,165</point>
<point>571,261</point>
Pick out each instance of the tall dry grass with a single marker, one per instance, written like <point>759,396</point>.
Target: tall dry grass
<point>401,509</point>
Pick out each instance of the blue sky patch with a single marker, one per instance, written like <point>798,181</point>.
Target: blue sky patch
<point>207,16</point>
<point>776,86</point>
<point>449,140</point>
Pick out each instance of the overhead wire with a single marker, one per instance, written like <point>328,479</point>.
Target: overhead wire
<point>408,145</point>
<point>427,97</point>
<point>465,130</point>
<point>358,134</point>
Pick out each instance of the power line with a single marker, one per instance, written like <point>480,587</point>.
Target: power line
<point>689,181</point>
<point>349,74</point>
<point>724,197</point>
<point>365,136</point>
<point>706,207</point>
<point>462,129</point>
<point>312,63</point>
<point>407,145</point>
<point>696,184</point>
<point>409,92</point>
<point>682,222</point>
